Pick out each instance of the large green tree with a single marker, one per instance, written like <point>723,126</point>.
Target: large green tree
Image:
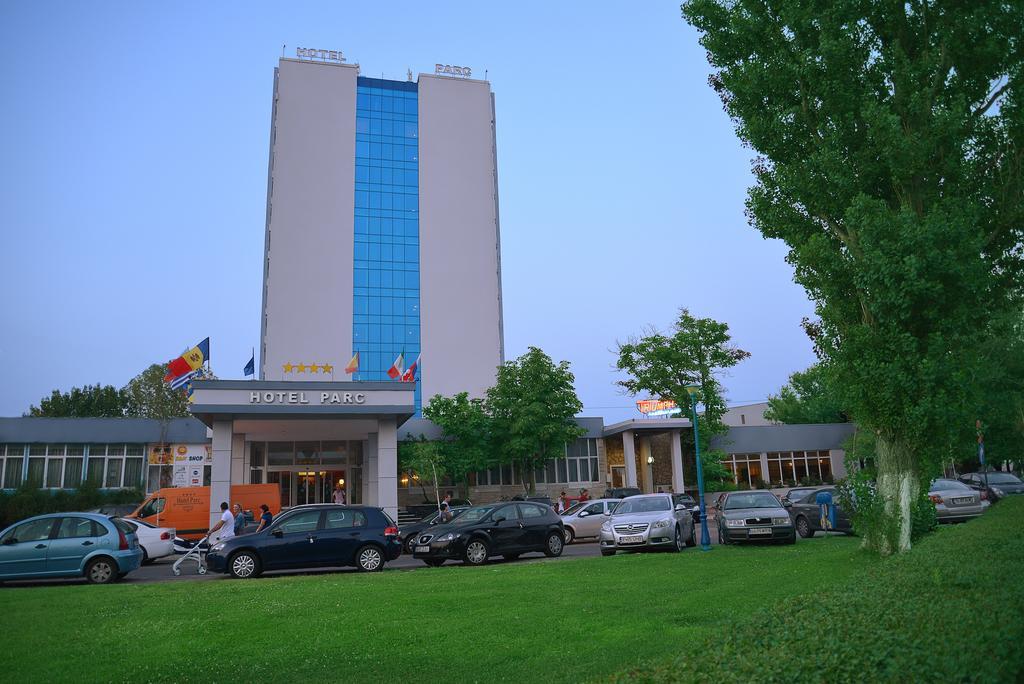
<point>532,405</point>
<point>465,445</point>
<point>694,352</point>
<point>148,396</point>
<point>98,401</point>
<point>806,398</point>
<point>890,163</point>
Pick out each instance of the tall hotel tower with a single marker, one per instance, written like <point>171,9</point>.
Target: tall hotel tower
<point>382,229</point>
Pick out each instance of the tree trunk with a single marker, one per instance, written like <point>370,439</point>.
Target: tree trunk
<point>899,487</point>
<point>529,477</point>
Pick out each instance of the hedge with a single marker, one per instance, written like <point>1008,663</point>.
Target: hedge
<point>951,609</point>
<point>29,501</point>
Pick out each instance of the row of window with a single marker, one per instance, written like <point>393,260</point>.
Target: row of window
<point>387,200</point>
<point>787,467</point>
<point>386,252</point>
<point>387,176</point>
<point>384,104</point>
<point>327,452</point>
<point>386,231</point>
<point>59,466</point>
<point>373,86</point>
<point>391,128</point>
<point>579,467</point>
<point>379,277</point>
<point>387,151</point>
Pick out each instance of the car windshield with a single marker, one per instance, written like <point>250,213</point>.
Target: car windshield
<point>797,494</point>
<point>751,500</point>
<point>575,507</point>
<point>646,504</point>
<point>1001,478</point>
<point>940,485</point>
<point>475,514</point>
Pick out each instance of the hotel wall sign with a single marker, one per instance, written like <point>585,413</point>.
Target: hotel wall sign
<point>325,398</point>
<point>325,55</point>
<point>449,70</point>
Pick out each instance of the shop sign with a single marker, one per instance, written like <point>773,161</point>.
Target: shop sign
<point>449,70</point>
<point>657,407</point>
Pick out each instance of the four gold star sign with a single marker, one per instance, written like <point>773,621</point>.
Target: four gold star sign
<point>308,367</point>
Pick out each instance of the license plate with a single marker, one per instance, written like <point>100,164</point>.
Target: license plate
<point>422,549</point>
<point>963,499</point>
<point>634,539</point>
<point>760,530</point>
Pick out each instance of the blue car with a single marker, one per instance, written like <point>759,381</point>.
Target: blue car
<point>69,545</point>
<point>318,535</point>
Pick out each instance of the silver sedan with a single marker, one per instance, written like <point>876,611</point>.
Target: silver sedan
<point>645,522</point>
<point>585,518</point>
<point>954,501</point>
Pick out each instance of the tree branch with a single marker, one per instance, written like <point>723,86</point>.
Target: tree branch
<point>991,100</point>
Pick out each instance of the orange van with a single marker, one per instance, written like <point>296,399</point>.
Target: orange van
<point>187,509</point>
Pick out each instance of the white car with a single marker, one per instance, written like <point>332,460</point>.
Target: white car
<point>156,542</point>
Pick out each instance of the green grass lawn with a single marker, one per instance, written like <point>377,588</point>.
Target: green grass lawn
<point>552,621</point>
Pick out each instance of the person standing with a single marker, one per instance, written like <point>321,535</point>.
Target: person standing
<point>226,524</point>
<point>239,525</point>
<point>584,495</point>
<point>265,518</point>
<point>561,504</point>
<point>339,494</point>
<point>446,508</point>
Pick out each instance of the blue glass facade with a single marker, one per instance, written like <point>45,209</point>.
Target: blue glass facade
<point>386,288</point>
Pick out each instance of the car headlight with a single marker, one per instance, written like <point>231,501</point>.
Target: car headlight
<point>735,523</point>
<point>217,547</point>
<point>998,492</point>
<point>781,521</point>
<point>447,537</point>
<point>662,523</point>
<point>606,526</point>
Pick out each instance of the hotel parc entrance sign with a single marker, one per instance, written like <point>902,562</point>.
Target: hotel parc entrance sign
<point>323,55</point>
<point>303,397</point>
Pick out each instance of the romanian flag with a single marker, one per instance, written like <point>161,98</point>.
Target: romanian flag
<point>353,365</point>
<point>191,360</point>
<point>396,370</point>
<point>410,373</point>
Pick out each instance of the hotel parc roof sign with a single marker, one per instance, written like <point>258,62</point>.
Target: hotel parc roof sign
<point>324,55</point>
<point>658,407</point>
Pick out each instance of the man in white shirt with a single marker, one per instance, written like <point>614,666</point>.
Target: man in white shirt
<point>226,525</point>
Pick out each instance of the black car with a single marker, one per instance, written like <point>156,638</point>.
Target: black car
<point>995,484</point>
<point>411,531</point>
<point>806,513</point>
<point>690,503</point>
<point>318,535</point>
<point>620,492</point>
<point>506,529</point>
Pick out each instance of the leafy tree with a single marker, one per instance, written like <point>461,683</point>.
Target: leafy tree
<point>101,401</point>
<point>425,458</point>
<point>532,405</point>
<point>806,398</point>
<point>695,352</point>
<point>890,164</point>
<point>466,435</point>
<point>148,396</point>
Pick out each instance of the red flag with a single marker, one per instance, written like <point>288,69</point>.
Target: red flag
<point>410,373</point>
<point>396,368</point>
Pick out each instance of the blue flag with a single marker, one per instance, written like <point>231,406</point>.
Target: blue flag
<point>250,368</point>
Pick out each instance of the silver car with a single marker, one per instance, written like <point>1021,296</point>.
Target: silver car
<point>753,516</point>
<point>954,501</point>
<point>585,518</point>
<point>645,522</point>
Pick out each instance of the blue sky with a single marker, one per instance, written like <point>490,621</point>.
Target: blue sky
<point>133,182</point>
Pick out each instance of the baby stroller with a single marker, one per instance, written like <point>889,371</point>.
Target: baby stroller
<point>197,554</point>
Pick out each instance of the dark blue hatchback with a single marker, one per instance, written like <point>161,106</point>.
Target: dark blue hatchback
<point>322,535</point>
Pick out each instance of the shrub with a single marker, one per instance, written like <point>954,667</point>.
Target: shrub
<point>27,501</point>
<point>890,624</point>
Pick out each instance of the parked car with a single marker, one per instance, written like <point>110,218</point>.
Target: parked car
<point>647,522</point>
<point>507,529</point>
<point>954,501</point>
<point>584,519</point>
<point>797,493</point>
<point>314,535</point>
<point>114,510</point>
<point>620,492</point>
<point>754,516</point>
<point>87,545</point>
<point>690,503</point>
<point>546,500</point>
<point>156,542</point>
<point>411,531</point>
<point>996,484</point>
<point>806,513</point>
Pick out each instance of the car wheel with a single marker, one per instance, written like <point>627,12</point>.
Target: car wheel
<point>101,571</point>
<point>476,552</point>
<point>146,560</point>
<point>607,552</point>
<point>691,541</point>
<point>678,544</point>
<point>554,545</point>
<point>434,562</point>
<point>804,527</point>
<point>569,535</point>
<point>244,565</point>
<point>370,559</point>
<point>722,539</point>
<point>409,542</point>
<point>511,556</point>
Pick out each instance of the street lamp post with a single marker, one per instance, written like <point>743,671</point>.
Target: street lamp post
<point>705,537</point>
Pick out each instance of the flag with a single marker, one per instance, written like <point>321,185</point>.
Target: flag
<point>181,381</point>
<point>250,368</point>
<point>353,365</point>
<point>410,373</point>
<point>395,371</point>
<point>189,361</point>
